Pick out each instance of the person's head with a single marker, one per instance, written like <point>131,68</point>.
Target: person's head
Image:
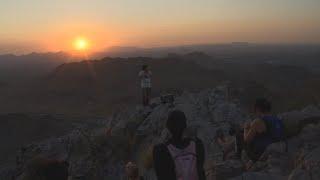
<point>262,106</point>
<point>145,67</point>
<point>132,170</point>
<point>46,169</point>
<point>176,123</point>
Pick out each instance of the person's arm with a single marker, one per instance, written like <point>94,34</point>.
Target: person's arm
<point>163,165</point>
<point>249,134</point>
<point>228,146</point>
<point>257,126</point>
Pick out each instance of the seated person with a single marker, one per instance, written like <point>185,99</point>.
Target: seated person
<point>226,143</point>
<point>179,158</point>
<point>262,131</point>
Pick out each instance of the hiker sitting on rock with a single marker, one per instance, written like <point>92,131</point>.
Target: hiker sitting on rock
<point>179,158</point>
<point>226,144</point>
<point>261,132</point>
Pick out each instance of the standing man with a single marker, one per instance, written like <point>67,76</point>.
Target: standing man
<point>145,77</point>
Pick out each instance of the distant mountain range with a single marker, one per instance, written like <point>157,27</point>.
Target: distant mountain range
<point>58,82</point>
<point>97,86</point>
<point>302,55</point>
<point>13,67</point>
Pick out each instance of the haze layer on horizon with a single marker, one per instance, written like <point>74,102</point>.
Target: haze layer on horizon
<point>46,25</point>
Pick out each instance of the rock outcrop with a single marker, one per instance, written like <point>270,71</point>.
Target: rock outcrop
<point>100,153</point>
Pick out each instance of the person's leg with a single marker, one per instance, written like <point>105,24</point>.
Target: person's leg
<point>148,96</point>
<point>144,96</point>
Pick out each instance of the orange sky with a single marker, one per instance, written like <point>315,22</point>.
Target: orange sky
<point>45,25</point>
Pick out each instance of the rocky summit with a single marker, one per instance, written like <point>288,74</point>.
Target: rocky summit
<point>100,153</point>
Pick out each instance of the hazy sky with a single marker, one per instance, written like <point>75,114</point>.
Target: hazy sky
<point>50,25</point>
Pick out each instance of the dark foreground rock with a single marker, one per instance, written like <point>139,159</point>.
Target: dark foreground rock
<point>100,153</point>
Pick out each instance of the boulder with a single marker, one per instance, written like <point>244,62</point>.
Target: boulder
<point>295,121</point>
<point>95,154</point>
<point>227,169</point>
<point>299,174</point>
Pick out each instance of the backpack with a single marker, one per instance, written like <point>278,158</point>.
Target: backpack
<point>185,161</point>
<point>275,128</point>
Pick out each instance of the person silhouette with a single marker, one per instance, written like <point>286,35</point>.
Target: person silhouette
<point>145,76</point>
<point>179,157</point>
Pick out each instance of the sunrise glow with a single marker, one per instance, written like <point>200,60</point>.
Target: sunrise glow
<point>84,27</point>
<point>81,44</point>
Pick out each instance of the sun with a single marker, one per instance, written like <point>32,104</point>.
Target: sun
<point>81,44</point>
